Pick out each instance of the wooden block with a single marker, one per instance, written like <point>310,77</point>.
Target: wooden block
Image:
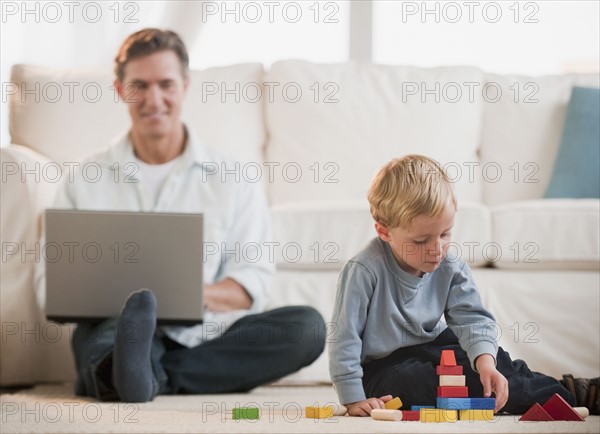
<point>476,415</point>
<point>449,370</point>
<point>318,412</point>
<point>454,403</point>
<point>438,415</point>
<point>452,380</point>
<point>246,413</point>
<point>483,403</point>
<point>448,358</point>
<point>386,414</point>
<point>395,415</point>
<point>340,410</point>
<point>414,416</point>
<point>536,414</point>
<point>393,404</point>
<point>453,391</point>
<point>560,409</point>
<point>419,407</point>
<point>582,411</point>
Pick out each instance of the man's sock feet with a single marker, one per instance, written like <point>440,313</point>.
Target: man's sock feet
<point>132,371</point>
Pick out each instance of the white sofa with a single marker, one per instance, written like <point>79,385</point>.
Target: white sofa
<point>318,133</point>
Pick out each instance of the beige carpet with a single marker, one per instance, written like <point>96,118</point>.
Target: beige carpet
<point>54,409</point>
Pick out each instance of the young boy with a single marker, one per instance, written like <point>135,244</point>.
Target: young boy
<point>392,296</point>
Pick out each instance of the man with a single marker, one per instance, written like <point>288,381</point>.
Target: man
<point>238,347</point>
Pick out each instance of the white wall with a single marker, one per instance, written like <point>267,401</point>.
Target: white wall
<point>548,37</point>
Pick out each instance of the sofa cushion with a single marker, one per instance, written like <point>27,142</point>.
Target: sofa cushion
<point>576,173</point>
<point>547,234</point>
<point>336,125</point>
<point>324,235</point>
<point>522,126</point>
<point>68,114</point>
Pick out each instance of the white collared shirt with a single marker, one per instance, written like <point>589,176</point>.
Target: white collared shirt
<point>236,218</point>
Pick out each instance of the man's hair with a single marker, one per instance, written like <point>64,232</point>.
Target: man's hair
<point>408,187</point>
<point>150,41</point>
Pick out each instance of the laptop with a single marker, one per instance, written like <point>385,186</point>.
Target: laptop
<point>96,259</point>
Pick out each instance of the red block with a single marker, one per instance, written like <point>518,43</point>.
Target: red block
<point>449,370</point>
<point>453,392</point>
<point>448,358</point>
<point>536,414</point>
<point>411,415</point>
<point>560,409</point>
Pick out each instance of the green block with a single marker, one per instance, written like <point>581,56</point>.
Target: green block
<point>246,413</point>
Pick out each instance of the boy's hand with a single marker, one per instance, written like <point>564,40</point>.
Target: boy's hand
<point>492,380</point>
<point>363,408</point>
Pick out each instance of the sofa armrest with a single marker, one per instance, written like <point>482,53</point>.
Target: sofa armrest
<point>32,350</point>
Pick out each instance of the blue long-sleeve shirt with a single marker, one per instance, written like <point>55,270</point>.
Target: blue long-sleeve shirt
<point>379,308</point>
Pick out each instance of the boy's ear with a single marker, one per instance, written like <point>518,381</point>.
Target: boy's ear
<point>383,231</point>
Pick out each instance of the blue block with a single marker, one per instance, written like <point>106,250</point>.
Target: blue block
<point>483,403</point>
<point>454,403</point>
<point>419,407</point>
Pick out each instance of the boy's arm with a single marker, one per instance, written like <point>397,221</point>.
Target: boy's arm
<point>474,325</point>
<point>355,287</point>
<point>476,330</point>
<point>492,380</point>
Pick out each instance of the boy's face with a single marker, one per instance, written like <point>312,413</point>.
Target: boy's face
<point>421,247</point>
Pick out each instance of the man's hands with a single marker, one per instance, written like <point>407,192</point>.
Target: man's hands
<point>363,408</point>
<point>226,295</point>
<point>492,380</point>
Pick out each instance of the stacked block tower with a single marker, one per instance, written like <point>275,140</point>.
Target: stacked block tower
<point>453,401</point>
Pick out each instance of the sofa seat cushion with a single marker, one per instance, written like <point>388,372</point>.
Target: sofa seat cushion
<point>324,235</point>
<point>547,234</point>
<point>549,318</point>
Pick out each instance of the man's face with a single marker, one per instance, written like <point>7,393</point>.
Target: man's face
<point>421,247</point>
<point>153,88</point>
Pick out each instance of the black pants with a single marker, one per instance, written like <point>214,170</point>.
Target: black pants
<point>410,373</point>
<point>255,350</point>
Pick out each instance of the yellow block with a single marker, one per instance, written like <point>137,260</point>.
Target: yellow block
<point>476,415</point>
<point>393,404</point>
<point>438,415</point>
<point>319,412</point>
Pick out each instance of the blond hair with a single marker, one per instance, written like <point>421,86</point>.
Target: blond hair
<point>408,187</point>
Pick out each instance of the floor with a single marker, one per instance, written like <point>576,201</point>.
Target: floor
<point>54,409</point>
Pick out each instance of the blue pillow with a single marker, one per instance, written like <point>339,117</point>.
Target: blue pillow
<point>577,168</point>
